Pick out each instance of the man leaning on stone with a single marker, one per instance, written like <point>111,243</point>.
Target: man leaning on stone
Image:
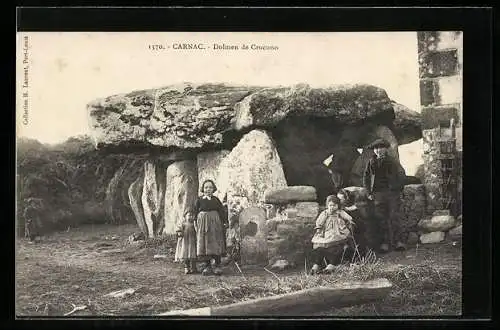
<point>384,179</point>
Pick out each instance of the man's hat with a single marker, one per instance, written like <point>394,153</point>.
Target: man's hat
<point>379,143</point>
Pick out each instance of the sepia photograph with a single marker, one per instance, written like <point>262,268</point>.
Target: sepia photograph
<point>239,174</point>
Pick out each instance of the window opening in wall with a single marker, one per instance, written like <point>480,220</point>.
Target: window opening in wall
<point>446,147</point>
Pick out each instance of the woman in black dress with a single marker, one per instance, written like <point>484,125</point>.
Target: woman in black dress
<point>210,228</point>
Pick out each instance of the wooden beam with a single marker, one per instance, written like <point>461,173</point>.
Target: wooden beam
<point>300,303</point>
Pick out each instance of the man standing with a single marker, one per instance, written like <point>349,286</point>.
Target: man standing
<point>384,179</point>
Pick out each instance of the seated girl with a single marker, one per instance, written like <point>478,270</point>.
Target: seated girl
<point>332,231</point>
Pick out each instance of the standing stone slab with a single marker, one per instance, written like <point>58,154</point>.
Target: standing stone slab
<point>252,167</point>
<point>134,195</point>
<point>253,231</point>
<point>152,197</point>
<point>209,167</point>
<point>181,192</point>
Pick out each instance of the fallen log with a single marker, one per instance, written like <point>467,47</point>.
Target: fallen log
<point>300,303</point>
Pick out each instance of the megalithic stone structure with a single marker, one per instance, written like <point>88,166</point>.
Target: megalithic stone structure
<point>181,192</point>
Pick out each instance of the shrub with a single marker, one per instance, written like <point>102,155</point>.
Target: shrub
<point>71,180</point>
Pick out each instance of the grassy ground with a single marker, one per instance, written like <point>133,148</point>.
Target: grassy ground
<point>83,265</point>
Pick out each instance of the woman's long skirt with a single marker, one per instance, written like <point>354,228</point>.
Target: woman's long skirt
<point>209,235</point>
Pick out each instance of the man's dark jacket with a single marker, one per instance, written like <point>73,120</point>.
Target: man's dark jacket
<point>387,172</point>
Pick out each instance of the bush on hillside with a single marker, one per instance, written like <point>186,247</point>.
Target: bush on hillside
<point>72,180</point>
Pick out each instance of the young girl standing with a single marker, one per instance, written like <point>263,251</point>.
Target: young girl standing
<point>210,228</point>
<point>186,242</point>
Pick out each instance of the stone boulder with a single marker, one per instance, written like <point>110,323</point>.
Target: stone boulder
<point>438,223</point>
<point>431,238</point>
<point>251,168</point>
<point>190,115</point>
<point>290,194</point>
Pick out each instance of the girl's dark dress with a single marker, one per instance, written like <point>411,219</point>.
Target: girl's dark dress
<point>210,237</point>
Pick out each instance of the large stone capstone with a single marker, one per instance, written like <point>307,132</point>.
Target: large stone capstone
<point>193,116</point>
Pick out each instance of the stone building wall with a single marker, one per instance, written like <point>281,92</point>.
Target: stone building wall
<point>440,55</point>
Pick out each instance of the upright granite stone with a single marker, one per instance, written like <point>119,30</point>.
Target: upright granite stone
<point>209,167</point>
<point>134,195</point>
<point>253,230</point>
<point>153,193</point>
<point>181,192</point>
<point>252,167</point>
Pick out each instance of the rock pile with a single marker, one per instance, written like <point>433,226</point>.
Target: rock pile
<point>440,225</point>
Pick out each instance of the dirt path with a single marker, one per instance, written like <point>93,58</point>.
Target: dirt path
<point>81,266</point>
